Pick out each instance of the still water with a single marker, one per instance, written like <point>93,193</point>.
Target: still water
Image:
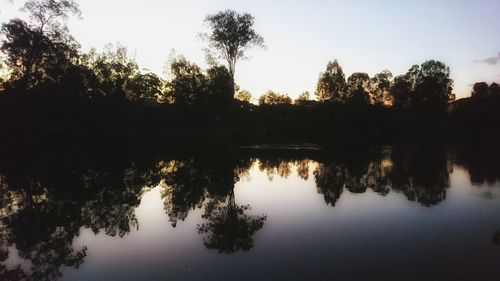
<point>254,214</point>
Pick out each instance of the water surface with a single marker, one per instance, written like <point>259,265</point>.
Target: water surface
<point>255,214</point>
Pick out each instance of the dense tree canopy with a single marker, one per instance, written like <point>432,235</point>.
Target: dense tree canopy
<point>426,86</point>
<point>357,84</point>
<point>273,98</point>
<point>244,96</point>
<point>34,57</point>
<point>303,98</point>
<point>483,91</point>
<point>187,82</point>
<point>219,86</point>
<point>331,84</point>
<point>433,85</point>
<point>379,87</point>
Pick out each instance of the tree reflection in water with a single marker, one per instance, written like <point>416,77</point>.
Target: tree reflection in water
<point>194,183</point>
<point>228,229</point>
<point>46,201</point>
<point>421,175</point>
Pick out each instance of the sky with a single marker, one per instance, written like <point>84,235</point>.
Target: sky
<point>302,36</point>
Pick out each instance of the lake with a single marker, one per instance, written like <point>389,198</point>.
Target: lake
<point>252,213</point>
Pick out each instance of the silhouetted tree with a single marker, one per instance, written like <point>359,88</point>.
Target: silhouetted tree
<point>400,92</point>
<point>331,84</point>
<point>231,35</point>
<point>114,72</point>
<point>273,98</point>
<point>494,90</point>
<point>187,84</point>
<point>356,88</point>
<point>480,90</point>
<point>219,89</point>
<point>303,98</point>
<point>4,73</point>
<point>33,57</point>
<point>379,87</point>
<point>43,51</point>
<point>243,95</point>
<point>427,87</point>
<point>433,87</point>
<point>144,87</point>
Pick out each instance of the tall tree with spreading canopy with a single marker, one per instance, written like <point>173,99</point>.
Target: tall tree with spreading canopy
<point>231,35</point>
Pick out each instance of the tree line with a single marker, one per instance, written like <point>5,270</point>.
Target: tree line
<point>48,85</point>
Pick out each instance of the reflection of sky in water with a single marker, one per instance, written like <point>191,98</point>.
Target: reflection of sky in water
<point>365,235</point>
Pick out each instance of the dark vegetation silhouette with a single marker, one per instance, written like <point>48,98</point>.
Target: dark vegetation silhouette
<point>48,87</point>
<point>48,195</point>
<point>477,117</point>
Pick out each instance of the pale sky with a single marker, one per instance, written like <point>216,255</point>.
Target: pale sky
<point>302,36</point>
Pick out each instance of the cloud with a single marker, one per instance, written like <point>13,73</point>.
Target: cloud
<point>490,60</point>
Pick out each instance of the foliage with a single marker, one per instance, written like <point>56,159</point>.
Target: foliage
<point>434,86</point>
<point>187,83</point>
<point>219,85</point>
<point>34,58</point>
<point>113,71</point>
<point>4,73</point>
<point>273,98</point>
<point>303,98</point>
<point>49,14</point>
<point>356,88</point>
<point>243,95</point>
<point>43,70</point>
<point>231,35</point>
<point>379,87</point>
<point>427,86</point>
<point>481,91</point>
<point>228,228</point>
<point>145,87</point>
<point>331,84</point>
